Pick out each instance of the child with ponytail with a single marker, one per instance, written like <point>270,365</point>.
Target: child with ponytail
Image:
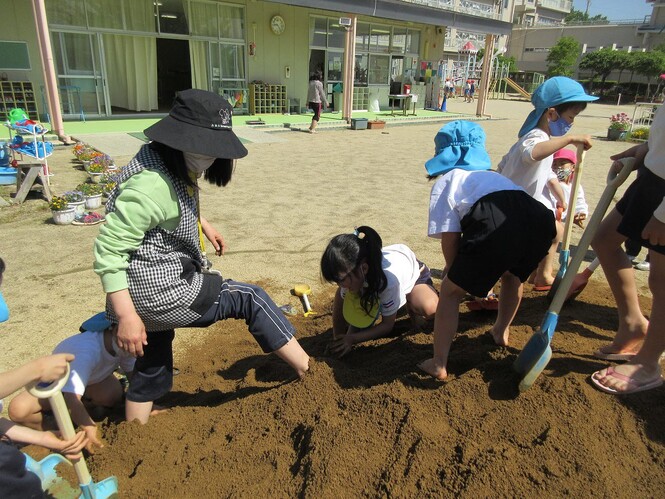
<point>374,281</point>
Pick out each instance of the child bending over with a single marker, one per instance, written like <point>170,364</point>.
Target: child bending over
<point>97,356</point>
<point>374,281</point>
<point>489,228</point>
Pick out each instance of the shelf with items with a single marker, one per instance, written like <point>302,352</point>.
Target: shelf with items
<point>360,98</point>
<point>19,94</point>
<point>35,148</point>
<point>267,99</point>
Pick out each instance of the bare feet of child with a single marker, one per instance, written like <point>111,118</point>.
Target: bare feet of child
<point>500,337</point>
<point>626,344</point>
<point>158,409</point>
<point>432,368</point>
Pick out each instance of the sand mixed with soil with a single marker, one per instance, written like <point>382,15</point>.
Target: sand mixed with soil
<point>369,424</point>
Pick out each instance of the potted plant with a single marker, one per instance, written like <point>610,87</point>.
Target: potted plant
<point>76,200</point>
<point>105,160</point>
<point>96,170</point>
<point>62,213</point>
<point>92,194</point>
<point>619,125</point>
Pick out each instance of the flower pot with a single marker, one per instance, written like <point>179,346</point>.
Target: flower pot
<point>614,134</point>
<point>86,164</point>
<point>376,124</point>
<point>79,206</point>
<point>95,178</point>
<point>64,217</point>
<point>92,202</point>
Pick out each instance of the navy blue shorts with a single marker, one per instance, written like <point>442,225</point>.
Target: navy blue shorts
<point>504,231</point>
<point>316,107</point>
<point>638,204</point>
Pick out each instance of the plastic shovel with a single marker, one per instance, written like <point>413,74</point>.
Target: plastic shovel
<point>564,256</point>
<point>89,489</point>
<point>537,353</point>
<point>301,291</point>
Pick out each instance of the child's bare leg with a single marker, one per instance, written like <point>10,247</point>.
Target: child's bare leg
<point>28,410</point>
<point>293,354</point>
<point>545,270</point>
<point>422,301</point>
<point>621,278</point>
<point>645,365</point>
<point>445,328</point>
<point>511,296</point>
<point>106,393</point>
<point>139,411</point>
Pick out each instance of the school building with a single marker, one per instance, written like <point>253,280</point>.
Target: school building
<point>119,58</point>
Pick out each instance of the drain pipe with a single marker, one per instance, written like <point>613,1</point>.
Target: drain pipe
<point>50,81</point>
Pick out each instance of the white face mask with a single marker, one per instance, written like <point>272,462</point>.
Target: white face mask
<point>197,163</point>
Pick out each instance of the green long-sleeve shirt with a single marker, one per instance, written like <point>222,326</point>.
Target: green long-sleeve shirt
<point>147,199</point>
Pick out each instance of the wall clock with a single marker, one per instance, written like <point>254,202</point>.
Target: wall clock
<point>277,25</point>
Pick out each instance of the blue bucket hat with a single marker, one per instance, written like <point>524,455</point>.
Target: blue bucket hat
<point>459,144</point>
<point>553,92</point>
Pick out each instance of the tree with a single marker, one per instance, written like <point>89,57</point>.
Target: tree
<point>563,56</point>
<point>649,64</point>
<point>601,63</point>
<point>577,16</point>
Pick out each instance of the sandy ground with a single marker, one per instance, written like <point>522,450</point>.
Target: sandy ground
<point>368,424</point>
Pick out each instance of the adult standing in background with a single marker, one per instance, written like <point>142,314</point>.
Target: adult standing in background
<point>316,98</point>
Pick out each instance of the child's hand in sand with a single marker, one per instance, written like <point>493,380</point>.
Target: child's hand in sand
<point>342,345</point>
<point>432,368</point>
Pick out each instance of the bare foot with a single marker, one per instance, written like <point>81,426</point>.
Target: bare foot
<point>500,337</point>
<point>431,368</point>
<point>542,281</point>
<point>158,409</point>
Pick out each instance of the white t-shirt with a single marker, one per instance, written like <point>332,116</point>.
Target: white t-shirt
<point>454,194</point>
<point>402,271</point>
<point>92,362</point>
<point>581,205</point>
<point>520,167</point>
<point>655,158</point>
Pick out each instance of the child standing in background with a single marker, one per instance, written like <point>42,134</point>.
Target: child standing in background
<point>373,281</point>
<point>529,162</point>
<point>489,228</point>
<point>563,166</point>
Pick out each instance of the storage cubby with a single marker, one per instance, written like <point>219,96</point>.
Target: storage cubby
<point>267,99</point>
<point>360,98</point>
<point>17,94</point>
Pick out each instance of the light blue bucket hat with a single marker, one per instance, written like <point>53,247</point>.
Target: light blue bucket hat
<point>553,92</point>
<point>459,144</point>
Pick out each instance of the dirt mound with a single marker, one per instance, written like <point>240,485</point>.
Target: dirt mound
<point>371,425</point>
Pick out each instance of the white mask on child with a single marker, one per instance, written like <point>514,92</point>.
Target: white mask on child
<point>197,163</point>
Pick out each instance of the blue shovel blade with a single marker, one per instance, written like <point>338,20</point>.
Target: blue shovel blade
<point>536,348</point>
<point>106,489</point>
<point>533,373</point>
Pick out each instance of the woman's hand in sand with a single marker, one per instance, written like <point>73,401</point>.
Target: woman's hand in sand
<point>431,367</point>
<point>94,442</point>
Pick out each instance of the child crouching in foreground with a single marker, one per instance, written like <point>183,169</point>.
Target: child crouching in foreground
<point>91,379</point>
<point>489,229</point>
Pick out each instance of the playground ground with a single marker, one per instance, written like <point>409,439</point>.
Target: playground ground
<point>369,424</point>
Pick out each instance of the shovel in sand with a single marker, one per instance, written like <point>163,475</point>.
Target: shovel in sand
<point>89,490</point>
<point>301,291</point>
<point>564,256</point>
<point>537,353</point>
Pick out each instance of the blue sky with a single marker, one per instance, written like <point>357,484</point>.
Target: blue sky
<point>615,9</point>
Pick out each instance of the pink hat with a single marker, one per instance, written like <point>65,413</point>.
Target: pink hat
<point>566,154</point>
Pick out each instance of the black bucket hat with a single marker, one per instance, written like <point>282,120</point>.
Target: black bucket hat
<point>199,122</point>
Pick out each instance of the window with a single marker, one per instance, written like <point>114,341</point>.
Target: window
<point>379,69</point>
<point>362,37</point>
<point>360,71</point>
<point>379,38</point>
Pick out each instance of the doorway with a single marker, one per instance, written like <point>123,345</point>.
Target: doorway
<point>174,70</point>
